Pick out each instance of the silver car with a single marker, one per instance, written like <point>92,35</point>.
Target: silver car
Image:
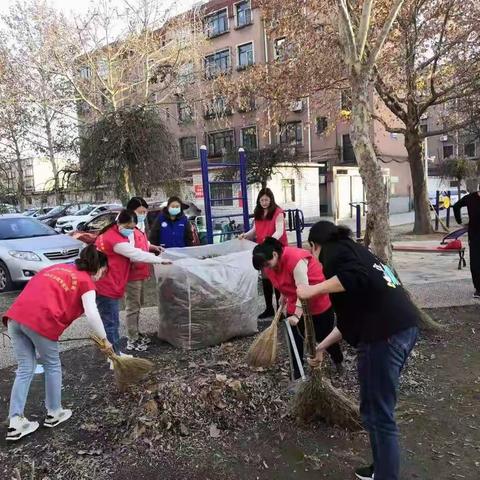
<point>27,246</point>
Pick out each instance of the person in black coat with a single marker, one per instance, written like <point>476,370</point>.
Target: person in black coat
<point>375,315</point>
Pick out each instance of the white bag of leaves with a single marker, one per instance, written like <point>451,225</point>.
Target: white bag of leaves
<point>208,295</point>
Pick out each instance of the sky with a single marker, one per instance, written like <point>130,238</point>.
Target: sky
<point>71,7</point>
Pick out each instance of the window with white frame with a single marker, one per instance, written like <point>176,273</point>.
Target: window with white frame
<point>185,112</point>
<point>217,63</point>
<point>243,13</point>
<point>447,151</point>
<point>188,148</point>
<point>291,133</point>
<point>216,23</point>
<point>249,138</point>
<point>321,124</point>
<point>217,107</point>
<point>279,48</point>
<point>245,55</point>
<point>288,190</point>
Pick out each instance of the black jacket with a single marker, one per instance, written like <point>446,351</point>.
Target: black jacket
<point>374,305</point>
<point>472,202</point>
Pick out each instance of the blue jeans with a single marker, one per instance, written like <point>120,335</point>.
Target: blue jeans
<point>379,368</point>
<point>25,342</point>
<point>109,309</point>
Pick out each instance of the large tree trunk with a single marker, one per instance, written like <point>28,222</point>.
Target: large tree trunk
<point>370,171</point>
<point>413,144</point>
<point>51,152</point>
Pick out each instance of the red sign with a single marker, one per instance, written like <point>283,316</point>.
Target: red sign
<point>198,189</point>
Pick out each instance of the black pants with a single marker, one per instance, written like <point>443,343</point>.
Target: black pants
<point>268,294</point>
<point>474,244</point>
<point>323,324</point>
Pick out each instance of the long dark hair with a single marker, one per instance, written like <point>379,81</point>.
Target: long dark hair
<point>136,202</point>
<point>125,216</point>
<point>91,260</point>
<point>264,252</point>
<point>325,232</point>
<point>259,211</point>
<point>169,202</point>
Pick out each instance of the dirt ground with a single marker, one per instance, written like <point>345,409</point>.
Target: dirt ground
<point>205,415</point>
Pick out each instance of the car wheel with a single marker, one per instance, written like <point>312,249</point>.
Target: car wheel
<point>5,280</point>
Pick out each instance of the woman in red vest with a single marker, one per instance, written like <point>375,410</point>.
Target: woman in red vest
<point>114,242</point>
<point>51,301</point>
<point>139,274</point>
<point>287,268</point>
<point>269,221</point>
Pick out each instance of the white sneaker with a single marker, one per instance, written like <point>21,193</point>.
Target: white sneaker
<point>39,369</point>
<point>19,427</point>
<point>56,418</point>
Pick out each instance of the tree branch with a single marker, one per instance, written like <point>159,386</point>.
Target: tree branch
<point>364,27</point>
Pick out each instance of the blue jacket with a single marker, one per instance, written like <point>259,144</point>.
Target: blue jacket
<point>171,233</point>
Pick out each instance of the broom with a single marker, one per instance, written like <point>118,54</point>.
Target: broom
<point>317,397</point>
<point>263,351</point>
<point>127,370</point>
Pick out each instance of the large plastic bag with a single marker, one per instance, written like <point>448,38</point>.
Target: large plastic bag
<point>205,301</point>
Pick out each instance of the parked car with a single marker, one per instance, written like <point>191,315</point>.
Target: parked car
<point>54,214</point>
<point>69,223</point>
<point>37,212</point>
<point>27,246</point>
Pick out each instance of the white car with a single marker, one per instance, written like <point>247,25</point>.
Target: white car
<point>70,223</point>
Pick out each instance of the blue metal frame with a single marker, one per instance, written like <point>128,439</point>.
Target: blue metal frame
<point>242,165</point>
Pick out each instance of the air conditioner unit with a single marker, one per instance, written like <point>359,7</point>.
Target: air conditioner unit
<point>296,106</point>
<point>444,138</point>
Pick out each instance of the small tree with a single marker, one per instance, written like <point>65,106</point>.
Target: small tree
<point>130,148</point>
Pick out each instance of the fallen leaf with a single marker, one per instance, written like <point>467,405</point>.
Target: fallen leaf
<point>214,431</point>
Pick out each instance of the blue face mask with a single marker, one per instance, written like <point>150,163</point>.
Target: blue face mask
<point>141,218</point>
<point>174,211</point>
<point>126,232</point>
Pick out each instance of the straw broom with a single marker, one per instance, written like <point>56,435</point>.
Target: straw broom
<point>263,351</point>
<point>317,397</point>
<point>127,370</point>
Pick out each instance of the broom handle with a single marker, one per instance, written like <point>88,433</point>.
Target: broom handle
<point>278,314</point>
<point>309,329</point>
<point>101,343</point>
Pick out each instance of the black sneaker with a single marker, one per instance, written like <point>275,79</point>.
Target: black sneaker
<point>266,314</point>
<point>476,294</point>
<point>365,473</point>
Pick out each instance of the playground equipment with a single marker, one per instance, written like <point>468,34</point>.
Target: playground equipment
<point>209,202</point>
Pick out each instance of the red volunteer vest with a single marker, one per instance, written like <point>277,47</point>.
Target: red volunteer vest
<point>51,300</point>
<point>266,228</point>
<point>139,271</point>
<point>113,283</point>
<point>283,280</point>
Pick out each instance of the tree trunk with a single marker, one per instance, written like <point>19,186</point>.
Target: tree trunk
<point>423,221</point>
<point>370,170</point>
<point>20,179</point>
<point>51,153</point>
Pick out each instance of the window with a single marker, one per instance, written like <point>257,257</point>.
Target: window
<point>348,154</point>
<point>219,191</point>
<point>85,73</point>
<point>185,112</point>
<point>320,125</point>
<point>100,222</point>
<point>346,101</point>
<point>246,103</point>
<point>447,151</point>
<point>243,12</point>
<point>186,73</point>
<point>29,183</point>
<point>217,63</point>
<point>469,149</point>
<point>188,148</point>
<point>288,189</point>
<point>423,128</point>
<point>217,107</point>
<point>249,138</point>
<point>245,55</point>
<point>291,133</point>
<point>217,23</point>
<point>102,69</point>
<point>279,48</point>
<point>221,143</point>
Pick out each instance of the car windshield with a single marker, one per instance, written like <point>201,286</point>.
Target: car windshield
<point>85,210</point>
<point>56,210</point>
<point>14,228</point>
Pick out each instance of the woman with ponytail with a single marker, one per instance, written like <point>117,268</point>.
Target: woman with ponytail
<point>375,315</point>
<point>287,268</point>
<point>269,221</point>
<point>51,301</point>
